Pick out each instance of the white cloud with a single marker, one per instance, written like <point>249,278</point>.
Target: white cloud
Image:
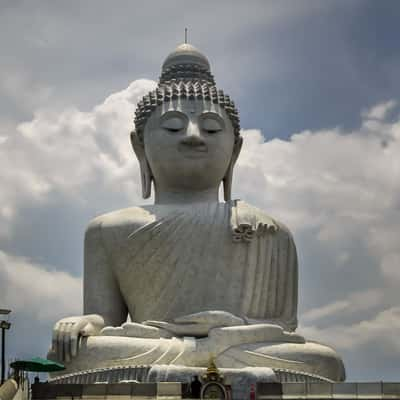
<point>79,155</point>
<point>390,266</point>
<point>355,302</point>
<point>19,88</point>
<point>380,111</point>
<point>380,332</point>
<point>43,294</point>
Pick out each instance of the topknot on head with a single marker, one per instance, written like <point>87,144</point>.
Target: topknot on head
<point>186,63</point>
<point>185,74</point>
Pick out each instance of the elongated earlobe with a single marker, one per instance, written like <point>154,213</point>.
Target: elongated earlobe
<point>227,180</point>
<point>145,171</point>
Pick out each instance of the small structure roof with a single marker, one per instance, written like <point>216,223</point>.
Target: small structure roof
<point>37,364</point>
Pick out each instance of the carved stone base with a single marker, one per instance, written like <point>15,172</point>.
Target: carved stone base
<point>177,373</point>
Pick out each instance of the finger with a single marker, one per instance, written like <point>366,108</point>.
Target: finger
<point>182,330</point>
<point>191,329</point>
<point>166,326</point>
<point>55,337</point>
<point>191,318</point>
<point>74,343</point>
<point>157,324</point>
<point>75,338</point>
<point>212,318</point>
<point>67,342</point>
<point>60,342</point>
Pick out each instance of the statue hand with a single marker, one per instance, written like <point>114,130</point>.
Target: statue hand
<point>133,329</point>
<point>67,332</point>
<point>198,324</point>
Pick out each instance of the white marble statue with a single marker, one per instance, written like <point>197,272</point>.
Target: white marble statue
<point>195,275</point>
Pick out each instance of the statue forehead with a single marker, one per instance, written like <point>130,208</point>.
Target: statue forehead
<point>191,108</point>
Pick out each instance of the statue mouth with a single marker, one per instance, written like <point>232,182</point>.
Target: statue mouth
<point>194,148</point>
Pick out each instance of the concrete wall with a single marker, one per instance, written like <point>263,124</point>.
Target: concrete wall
<point>172,390</point>
<point>120,391</point>
<point>344,391</point>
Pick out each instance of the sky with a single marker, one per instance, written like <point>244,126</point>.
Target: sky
<point>316,84</point>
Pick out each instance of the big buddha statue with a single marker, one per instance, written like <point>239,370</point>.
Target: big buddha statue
<point>198,278</point>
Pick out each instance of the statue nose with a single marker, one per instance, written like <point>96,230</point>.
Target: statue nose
<point>193,137</point>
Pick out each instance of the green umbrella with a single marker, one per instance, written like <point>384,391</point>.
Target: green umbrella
<point>37,364</point>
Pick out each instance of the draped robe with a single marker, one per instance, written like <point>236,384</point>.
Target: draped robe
<point>172,261</point>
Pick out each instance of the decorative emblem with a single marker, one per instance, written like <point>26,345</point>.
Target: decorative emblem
<point>213,387</point>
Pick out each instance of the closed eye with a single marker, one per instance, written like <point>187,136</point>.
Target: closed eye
<point>173,124</point>
<point>211,125</point>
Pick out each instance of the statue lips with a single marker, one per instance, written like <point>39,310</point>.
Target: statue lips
<point>193,147</point>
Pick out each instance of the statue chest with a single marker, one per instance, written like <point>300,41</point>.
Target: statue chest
<point>184,260</point>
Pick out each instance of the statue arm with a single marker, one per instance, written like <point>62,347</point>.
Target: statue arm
<point>287,278</point>
<point>272,279</point>
<point>103,303</point>
<point>101,292</point>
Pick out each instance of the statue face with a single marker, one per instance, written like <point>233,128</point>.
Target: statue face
<point>188,144</point>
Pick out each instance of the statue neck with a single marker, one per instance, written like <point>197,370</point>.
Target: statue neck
<point>165,196</point>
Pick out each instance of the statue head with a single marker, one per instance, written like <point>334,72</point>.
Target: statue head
<point>187,133</point>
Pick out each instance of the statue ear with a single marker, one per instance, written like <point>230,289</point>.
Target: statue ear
<point>227,180</point>
<point>145,171</point>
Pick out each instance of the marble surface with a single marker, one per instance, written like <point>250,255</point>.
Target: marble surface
<point>238,346</point>
<point>196,276</point>
<point>161,262</point>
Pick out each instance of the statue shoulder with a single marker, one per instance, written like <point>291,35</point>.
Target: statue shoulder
<point>247,214</point>
<point>132,218</point>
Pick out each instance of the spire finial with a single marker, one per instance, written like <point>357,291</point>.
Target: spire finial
<point>185,35</point>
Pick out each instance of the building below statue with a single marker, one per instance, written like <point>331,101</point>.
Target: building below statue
<point>175,391</point>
